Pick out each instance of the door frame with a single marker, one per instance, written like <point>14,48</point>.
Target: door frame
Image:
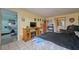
<point>57,22</point>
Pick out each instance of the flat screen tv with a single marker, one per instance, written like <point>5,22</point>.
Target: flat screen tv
<point>32,24</point>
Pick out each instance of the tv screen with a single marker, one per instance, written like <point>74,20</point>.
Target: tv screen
<point>32,24</point>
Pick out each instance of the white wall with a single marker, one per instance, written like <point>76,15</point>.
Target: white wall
<point>75,16</point>
<point>68,16</point>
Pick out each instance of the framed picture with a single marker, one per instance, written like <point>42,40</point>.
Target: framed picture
<point>34,19</point>
<point>23,19</point>
<point>38,19</point>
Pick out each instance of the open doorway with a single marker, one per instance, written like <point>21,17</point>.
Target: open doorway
<point>60,23</point>
<point>9,26</point>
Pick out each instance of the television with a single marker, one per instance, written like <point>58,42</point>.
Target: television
<point>32,24</point>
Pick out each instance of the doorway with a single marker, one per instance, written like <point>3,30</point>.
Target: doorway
<point>60,23</point>
<point>9,26</point>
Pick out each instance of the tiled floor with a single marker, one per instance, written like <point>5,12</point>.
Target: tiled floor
<point>31,45</point>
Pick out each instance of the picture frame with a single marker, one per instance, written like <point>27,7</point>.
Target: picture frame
<point>34,19</point>
<point>23,19</point>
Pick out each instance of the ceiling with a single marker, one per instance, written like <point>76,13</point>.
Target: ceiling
<point>52,11</point>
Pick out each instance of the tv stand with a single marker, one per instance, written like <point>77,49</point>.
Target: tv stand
<point>29,33</point>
